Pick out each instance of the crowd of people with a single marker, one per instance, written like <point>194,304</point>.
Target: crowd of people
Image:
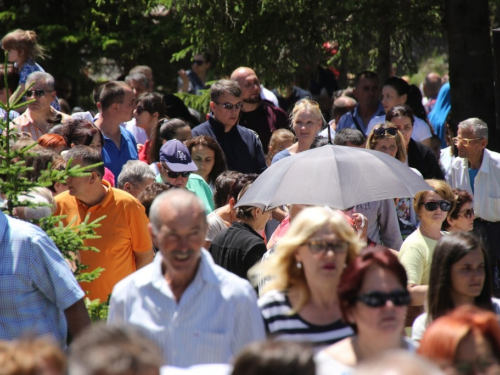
<point>196,281</point>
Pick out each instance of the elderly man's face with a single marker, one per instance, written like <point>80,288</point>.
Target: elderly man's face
<point>42,94</point>
<point>475,146</point>
<point>180,237</point>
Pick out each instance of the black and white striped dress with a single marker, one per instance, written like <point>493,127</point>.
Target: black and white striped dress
<point>281,325</point>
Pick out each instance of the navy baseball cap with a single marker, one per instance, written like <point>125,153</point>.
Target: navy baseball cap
<point>177,157</point>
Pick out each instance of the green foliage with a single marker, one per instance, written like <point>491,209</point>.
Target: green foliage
<point>98,311</point>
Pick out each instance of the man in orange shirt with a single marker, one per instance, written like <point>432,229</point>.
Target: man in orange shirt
<point>125,244</point>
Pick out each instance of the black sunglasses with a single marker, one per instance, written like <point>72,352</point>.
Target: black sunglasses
<point>388,132</point>
<point>230,106</point>
<point>140,109</point>
<point>379,299</point>
<point>177,174</point>
<point>38,93</point>
<point>198,62</point>
<point>467,213</point>
<point>433,206</point>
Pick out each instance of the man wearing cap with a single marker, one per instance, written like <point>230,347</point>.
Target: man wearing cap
<point>124,244</point>
<point>175,167</point>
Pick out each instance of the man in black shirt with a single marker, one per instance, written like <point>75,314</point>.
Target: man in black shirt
<point>257,114</point>
<point>241,146</point>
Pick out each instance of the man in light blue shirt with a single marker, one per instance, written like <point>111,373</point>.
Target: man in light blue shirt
<point>38,292</point>
<point>194,310</point>
<point>367,93</point>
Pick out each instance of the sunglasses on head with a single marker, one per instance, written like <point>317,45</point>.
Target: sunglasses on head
<point>38,93</point>
<point>198,62</point>
<point>433,206</point>
<point>467,213</point>
<point>379,299</point>
<point>177,174</point>
<point>387,132</point>
<point>322,246</point>
<point>230,106</point>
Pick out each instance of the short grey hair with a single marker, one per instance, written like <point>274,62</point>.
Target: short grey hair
<point>224,86</point>
<point>41,76</point>
<point>135,172</point>
<point>478,127</point>
<point>178,199</point>
<point>137,77</point>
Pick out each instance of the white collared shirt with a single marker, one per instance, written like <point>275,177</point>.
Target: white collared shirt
<point>215,318</point>
<point>486,184</point>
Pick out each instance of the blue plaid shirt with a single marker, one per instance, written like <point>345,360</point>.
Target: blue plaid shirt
<point>36,283</point>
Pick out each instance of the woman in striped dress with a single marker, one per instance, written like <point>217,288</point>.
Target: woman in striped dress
<point>300,299</point>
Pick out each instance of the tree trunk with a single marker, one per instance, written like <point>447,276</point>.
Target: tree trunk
<point>471,64</point>
<point>384,54</point>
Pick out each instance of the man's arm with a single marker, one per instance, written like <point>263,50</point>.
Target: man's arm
<point>143,258</point>
<point>77,318</point>
<point>390,235</point>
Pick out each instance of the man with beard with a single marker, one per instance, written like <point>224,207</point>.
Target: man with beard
<point>195,311</point>
<point>257,114</point>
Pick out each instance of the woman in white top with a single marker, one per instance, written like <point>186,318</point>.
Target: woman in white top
<point>395,93</point>
<point>374,299</point>
<point>459,275</point>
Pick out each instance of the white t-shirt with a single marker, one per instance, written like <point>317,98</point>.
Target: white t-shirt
<point>421,130</point>
<point>420,323</point>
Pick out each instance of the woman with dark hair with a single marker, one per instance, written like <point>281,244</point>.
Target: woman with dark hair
<point>373,299</point>
<point>82,132</point>
<point>240,246</point>
<point>208,157</point>
<point>166,130</point>
<point>148,113</point>
<point>419,156</point>
<point>466,341</point>
<point>461,218</point>
<point>397,92</point>
<point>459,275</point>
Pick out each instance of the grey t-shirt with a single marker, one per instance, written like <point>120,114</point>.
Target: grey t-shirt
<point>215,226</point>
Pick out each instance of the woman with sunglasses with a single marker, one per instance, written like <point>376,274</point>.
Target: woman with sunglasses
<point>396,92</point>
<point>300,297</point>
<point>388,139</point>
<point>461,218</point>
<point>432,207</point>
<point>419,156</point>
<point>459,276</point>
<point>149,112</point>
<point>307,121</point>
<point>373,299</point>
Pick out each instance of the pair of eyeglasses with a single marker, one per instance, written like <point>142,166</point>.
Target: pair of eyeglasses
<point>177,174</point>
<point>198,62</point>
<point>317,246</point>
<point>230,106</point>
<point>379,299</point>
<point>467,213</point>
<point>385,132</point>
<point>433,206</point>
<point>38,93</point>
<point>464,141</point>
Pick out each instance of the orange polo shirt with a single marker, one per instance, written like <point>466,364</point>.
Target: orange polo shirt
<point>123,231</point>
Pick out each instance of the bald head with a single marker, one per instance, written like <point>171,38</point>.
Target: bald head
<point>432,84</point>
<point>250,86</point>
<point>173,205</point>
<point>341,106</point>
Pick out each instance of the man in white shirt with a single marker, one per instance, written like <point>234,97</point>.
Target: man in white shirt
<point>194,310</point>
<point>477,170</point>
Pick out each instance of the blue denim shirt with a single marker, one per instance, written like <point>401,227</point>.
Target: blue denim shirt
<point>346,120</point>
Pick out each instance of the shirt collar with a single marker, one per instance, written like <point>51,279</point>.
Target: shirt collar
<point>217,126</point>
<point>205,273</point>
<point>107,198</point>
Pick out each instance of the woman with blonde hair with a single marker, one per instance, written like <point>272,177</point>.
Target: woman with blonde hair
<point>432,207</point>
<point>300,297</point>
<point>307,121</point>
